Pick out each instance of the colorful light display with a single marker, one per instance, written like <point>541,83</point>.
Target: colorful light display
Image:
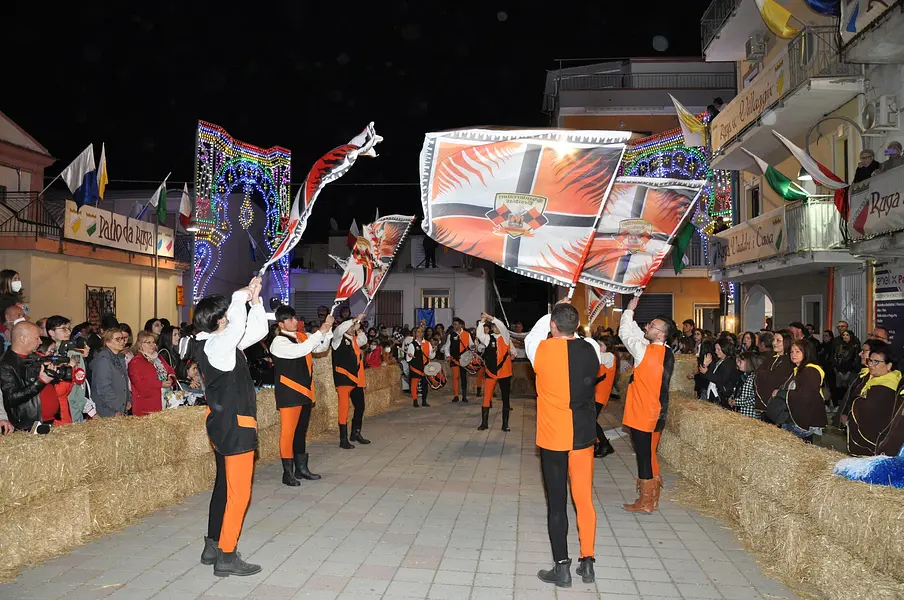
<point>225,165</point>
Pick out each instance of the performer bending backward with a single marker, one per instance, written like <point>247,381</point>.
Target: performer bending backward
<point>294,378</point>
<point>418,352</point>
<point>458,341</point>
<point>647,399</point>
<point>604,382</point>
<point>226,328</point>
<point>348,376</point>
<point>497,358</point>
<point>566,368</point>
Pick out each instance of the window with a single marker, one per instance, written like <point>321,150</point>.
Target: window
<point>435,298</point>
<point>707,317</point>
<point>389,308</point>
<point>756,206</point>
<point>650,306</point>
<point>811,312</point>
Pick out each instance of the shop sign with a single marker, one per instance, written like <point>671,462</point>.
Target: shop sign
<point>876,205</point>
<point>92,225</point>
<point>762,237</point>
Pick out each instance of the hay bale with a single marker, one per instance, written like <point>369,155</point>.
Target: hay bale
<point>267,413</point>
<point>685,364</point>
<point>38,466</point>
<point>867,520</point>
<point>722,488</point>
<point>268,443</point>
<point>120,501</point>
<point>42,530</point>
<point>192,422</point>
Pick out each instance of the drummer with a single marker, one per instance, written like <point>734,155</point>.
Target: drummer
<point>497,359</point>
<point>418,353</point>
<point>458,342</point>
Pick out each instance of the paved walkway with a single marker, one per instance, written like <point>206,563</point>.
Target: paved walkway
<point>432,509</point>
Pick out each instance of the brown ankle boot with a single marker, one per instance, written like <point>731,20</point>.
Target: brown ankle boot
<point>644,503</point>
<point>659,485</point>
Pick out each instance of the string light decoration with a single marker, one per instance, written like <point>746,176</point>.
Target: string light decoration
<point>223,165</point>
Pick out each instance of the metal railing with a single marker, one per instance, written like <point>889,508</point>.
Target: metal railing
<point>641,81</point>
<point>182,248</point>
<point>695,253</point>
<point>28,214</point>
<point>714,19</point>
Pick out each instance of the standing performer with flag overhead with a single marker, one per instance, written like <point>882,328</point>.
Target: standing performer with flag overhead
<point>498,361</point>
<point>348,376</point>
<point>294,378</point>
<point>418,353</point>
<point>458,341</point>
<point>226,328</point>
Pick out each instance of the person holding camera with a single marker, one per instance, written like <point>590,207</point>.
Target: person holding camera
<point>22,378</point>
<point>59,329</point>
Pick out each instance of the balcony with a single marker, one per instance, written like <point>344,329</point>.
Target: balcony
<point>880,40</point>
<point>803,84</point>
<point>725,28</point>
<point>813,241</point>
<point>696,266</point>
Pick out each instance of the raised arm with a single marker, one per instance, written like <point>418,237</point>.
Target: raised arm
<point>631,335</point>
<point>256,328</point>
<point>339,333</point>
<point>432,353</point>
<point>220,348</point>
<point>503,331</point>
<point>539,333</point>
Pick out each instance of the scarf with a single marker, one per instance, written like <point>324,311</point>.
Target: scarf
<point>154,359</point>
<point>889,380</point>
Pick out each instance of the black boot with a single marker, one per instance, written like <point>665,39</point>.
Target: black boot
<point>416,404</point>
<point>484,418</point>
<point>603,448</point>
<point>230,563</point>
<point>585,569</point>
<point>464,399</point>
<point>424,399</point>
<point>209,554</point>
<point>288,476</point>
<point>343,438</point>
<point>356,437</point>
<point>505,420</point>
<point>560,574</point>
<point>478,393</point>
<point>301,468</point>
<point>454,398</point>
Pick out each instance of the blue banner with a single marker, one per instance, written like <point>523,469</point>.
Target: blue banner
<point>427,315</point>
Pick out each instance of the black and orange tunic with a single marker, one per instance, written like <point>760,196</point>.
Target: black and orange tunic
<point>294,377</point>
<point>348,363</point>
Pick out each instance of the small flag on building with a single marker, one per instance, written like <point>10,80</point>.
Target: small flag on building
<point>185,208</point>
<point>682,241</point>
<point>102,179</point>
<point>821,175</point>
<point>81,178</point>
<point>252,246</point>
<point>777,18</point>
<point>692,129</point>
<point>779,183</point>
<point>158,201</point>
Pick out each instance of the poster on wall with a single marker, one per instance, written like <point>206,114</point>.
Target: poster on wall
<point>876,205</point>
<point>92,225</point>
<point>99,302</point>
<point>889,301</point>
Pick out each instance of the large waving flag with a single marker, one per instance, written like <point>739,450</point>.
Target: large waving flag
<point>527,200</point>
<point>692,129</point>
<point>102,178</point>
<point>777,18</point>
<point>595,303</point>
<point>328,168</point>
<point>779,183</point>
<point>821,175</point>
<point>634,235</point>
<point>81,178</point>
<point>371,257</point>
<point>185,207</point>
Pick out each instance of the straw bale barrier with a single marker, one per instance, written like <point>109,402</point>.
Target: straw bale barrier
<point>85,480</point>
<point>818,532</point>
<point>522,379</point>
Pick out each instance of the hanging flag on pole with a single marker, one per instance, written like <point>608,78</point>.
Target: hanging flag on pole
<point>821,175</point>
<point>595,303</point>
<point>371,257</point>
<point>158,201</point>
<point>328,168</point>
<point>780,184</point>
<point>252,246</point>
<point>185,207</point>
<point>692,129</point>
<point>681,243</point>
<point>102,179</point>
<point>777,18</point>
<point>81,178</point>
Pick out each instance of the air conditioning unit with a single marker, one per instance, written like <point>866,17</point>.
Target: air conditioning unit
<point>887,112</point>
<point>756,48</point>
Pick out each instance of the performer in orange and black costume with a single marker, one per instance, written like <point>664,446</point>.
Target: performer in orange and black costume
<point>647,400</point>
<point>458,341</point>
<point>497,359</point>
<point>566,368</point>
<point>348,376</point>
<point>604,382</point>
<point>226,328</point>
<point>418,353</point>
<point>292,351</point>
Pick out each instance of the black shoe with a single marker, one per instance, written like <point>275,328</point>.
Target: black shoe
<point>585,569</point>
<point>603,449</point>
<point>464,400</point>
<point>209,554</point>
<point>455,399</point>
<point>301,468</point>
<point>484,418</point>
<point>424,402</point>
<point>505,420</point>
<point>356,437</point>
<point>560,574</point>
<point>230,563</point>
<point>343,438</point>
<point>416,404</point>
<point>288,476</point>
<point>478,393</point>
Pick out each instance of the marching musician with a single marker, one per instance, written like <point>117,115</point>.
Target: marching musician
<point>418,353</point>
<point>292,351</point>
<point>458,341</point>
<point>348,376</point>
<point>497,358</point>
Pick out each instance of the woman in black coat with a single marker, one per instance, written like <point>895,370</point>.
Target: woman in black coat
<point>721,372</point>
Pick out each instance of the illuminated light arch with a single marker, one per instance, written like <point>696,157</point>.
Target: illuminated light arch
<point>223,165</point>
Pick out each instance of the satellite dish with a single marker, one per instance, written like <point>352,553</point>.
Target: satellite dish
<point>334,226</point>
<point>868,116</point>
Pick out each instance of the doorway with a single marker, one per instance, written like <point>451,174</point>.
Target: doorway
<point>811,312</point>
<point>708,317</point>
<point>758,309</point>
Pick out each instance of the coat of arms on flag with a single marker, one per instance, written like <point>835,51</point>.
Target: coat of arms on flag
<point>634,234</point>
<point>518,214</point>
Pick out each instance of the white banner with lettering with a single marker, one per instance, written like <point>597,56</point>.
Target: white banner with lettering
<point>755,239</point>
<point>101,227</point>
<point>876,205</point>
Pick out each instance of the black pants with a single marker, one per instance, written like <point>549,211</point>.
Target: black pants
<point>600,435</point>
<point>357,397</point>
<point>424,388</point>
<point>643,449</point>
<point>430,256</point>
<point>217,500</point>
<point>299,442</point>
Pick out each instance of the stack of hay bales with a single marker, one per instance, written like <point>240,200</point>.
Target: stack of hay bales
<point>822,533</point>
<point>81,481</point>
<point>522,379</point>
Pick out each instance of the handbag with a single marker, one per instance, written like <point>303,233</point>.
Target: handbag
<point>777,408</point>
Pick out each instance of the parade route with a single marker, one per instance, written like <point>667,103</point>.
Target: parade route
<point>432,509</point>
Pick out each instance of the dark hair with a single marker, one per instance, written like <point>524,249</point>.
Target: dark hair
<point>46,343</point>
<point>125,327</point>
<point>56,321</point>
<point>165,322</point>
<point>883,349</point>
<point>670,327</point>
<point>208,313</point>
<point>609,343</point>
<point>787,339</point>
<point>798,325</point>
<point>707,346</point>
<point>727,345</point>
<point>689,322</point>
<point>753,337</point>
<point>765,339</point>
<point>284,313</point>
<point>752,361</point>
<point>566,318</point>
<point>109,322</point>
<point>165,342</point>
<point>6,281</point>
<point>458,320</point>
<point>149,324</point>
<point>806,348</point>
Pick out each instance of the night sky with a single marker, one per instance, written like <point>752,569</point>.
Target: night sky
<point>305,76</point>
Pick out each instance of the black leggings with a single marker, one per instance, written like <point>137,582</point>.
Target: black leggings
<point>217,500</point>
<point>643,449</point>
<point>600,436</point>
<point>357,397</point>
<point>299,442</point>
<point>554,465</point>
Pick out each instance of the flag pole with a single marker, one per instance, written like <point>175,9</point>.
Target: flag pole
<point>51,183</point>
<point>501,307</point>
<point>156,264</point>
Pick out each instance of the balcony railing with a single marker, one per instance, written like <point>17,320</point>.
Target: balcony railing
<point>714,19</point>
<point>27,214</point>
<point>641,81</point>
<point>814,52</point>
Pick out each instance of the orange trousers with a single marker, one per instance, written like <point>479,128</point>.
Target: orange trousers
<point>239,474</point>
<point>560,467</point>
<point>481,374</point>
<point>345,397</point>
<point>288,422</point>
<point>456,379</point>
<point>654,448</point>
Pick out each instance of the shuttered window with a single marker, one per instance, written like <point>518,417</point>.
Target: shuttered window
<point>389,308</point>
<point>306,304</point>
<point>651,306</point>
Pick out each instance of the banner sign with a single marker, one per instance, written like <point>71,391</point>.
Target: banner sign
<point>889,300</point>
<point>856,15</point>
<point>876,205</point>
<point>103,228</point>
<point>755,239</point>
<point>763,92</point>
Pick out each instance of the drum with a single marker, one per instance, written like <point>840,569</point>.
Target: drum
<point>435,376</point>
<point>471,361</point>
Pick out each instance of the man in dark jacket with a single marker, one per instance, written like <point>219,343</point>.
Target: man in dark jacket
<point>21,383</point>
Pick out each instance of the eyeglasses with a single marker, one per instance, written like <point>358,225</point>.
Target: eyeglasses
<point>63,328</point>
<point>875,363</point>
<point>119,339</point>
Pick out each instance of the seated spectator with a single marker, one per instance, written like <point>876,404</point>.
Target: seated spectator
<point>867,166</point>
<point>873,409</point>
<point>21,382</point>
<point>743,397</point>
<point>150,375</point>
<point>374,355</point>
<point>109,376</point>
<point>720,372</point>
<point>895,156</point>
